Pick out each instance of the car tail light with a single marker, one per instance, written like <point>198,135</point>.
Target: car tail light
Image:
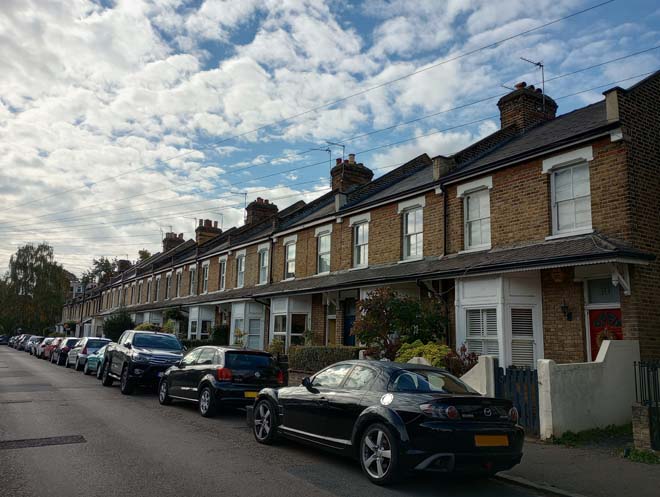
<point>440,412</point>
<point>513,415</point>
<point>280,377</point>
<point>224,374</point>
<point>84,350</point>
<point>65,349</point>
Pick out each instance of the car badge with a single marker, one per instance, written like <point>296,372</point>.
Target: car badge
<point>257,374</point>
<point>488,412</point>
<point>387,399</point>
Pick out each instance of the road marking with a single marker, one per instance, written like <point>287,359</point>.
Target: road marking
<point>41,442</point>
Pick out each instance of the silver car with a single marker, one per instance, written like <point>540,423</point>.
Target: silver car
<point>39,349</point>
<point>86,346</point>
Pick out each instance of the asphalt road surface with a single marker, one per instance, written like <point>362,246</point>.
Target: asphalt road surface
<point>132,446</point>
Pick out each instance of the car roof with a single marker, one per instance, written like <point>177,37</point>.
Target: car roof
<point>392,366</point>
<point>152,332</point>
<point>232,348</point>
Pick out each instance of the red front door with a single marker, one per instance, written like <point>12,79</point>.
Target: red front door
<point>603,324</point>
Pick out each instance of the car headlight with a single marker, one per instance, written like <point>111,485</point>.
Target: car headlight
<point>137,357</point>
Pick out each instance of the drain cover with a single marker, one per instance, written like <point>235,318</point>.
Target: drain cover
<point>41,442</point>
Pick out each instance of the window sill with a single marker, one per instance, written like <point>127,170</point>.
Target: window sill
<point>480,248</point>
<point>324,273</point>
<point>566,234</point>
<point>411,259</point>
<point>289,279</point>
<point>262,284</point>
<point>356,268</point>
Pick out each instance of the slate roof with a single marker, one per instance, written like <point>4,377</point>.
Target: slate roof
<point>564,129</point>
<point>577,250</point>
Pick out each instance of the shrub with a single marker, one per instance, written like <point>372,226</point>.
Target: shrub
<point>191,344</point>
<point>169,327</point>
<point>433,352</point>
<point>117,324</point>
<point>147,327</point>
<point>315,358</point>
<point>460,363</point>
<point>56,334</point>
<point>220,334</point>
<point>276,347</point>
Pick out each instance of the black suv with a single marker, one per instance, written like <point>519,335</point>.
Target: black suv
<point>139,357</point>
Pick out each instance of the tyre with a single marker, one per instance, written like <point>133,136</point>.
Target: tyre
<point>99,371</point>
<point>208,405</point>
<point>78,368</point>
<point>163,393</point>
<point>379,455</point>
<point>264,426</point>
<point>86,370</point>
<point>66,363</point>
<point>126,384</point>
<point>106,379</point>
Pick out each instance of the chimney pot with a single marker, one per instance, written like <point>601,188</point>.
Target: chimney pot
<point>338,161</point>
<point>201,222</point>
<point>351,158</point>
<point>259,210</point>
<point>520,86</point>
<point>539,90</point>
<point>215,224</point>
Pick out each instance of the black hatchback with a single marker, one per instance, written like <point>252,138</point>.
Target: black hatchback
<point>220,376</point>
<point>394,418</point>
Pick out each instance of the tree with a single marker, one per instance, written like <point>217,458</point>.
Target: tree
<point>143,254</point>
<point>101,271</point>
<point>33,290</point>
<point>386,320</point>
<point>117,324</point>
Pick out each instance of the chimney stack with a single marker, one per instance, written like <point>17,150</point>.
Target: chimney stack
<point>206,230</point>
<point>524,108</point>
<point>347,174</point>
<point>259,210</point>
<point>172,240</point>
<point>123,265</point>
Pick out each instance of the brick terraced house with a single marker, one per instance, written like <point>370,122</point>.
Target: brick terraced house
<point>542,240</point>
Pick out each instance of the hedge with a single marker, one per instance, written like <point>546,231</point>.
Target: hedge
<point>191,344</point>
<point>315,358</point>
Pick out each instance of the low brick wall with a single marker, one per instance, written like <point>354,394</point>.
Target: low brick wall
<point>641,425</point>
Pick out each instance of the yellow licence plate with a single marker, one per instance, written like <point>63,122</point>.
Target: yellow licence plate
<point>491,440</point>
<point>251,395</point>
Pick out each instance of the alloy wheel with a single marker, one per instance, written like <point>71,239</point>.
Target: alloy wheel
<point>163,391</point>
<point>262,421</point>
<point>205,401</point>
<point>376,453</point>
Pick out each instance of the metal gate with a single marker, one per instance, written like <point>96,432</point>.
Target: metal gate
<point>647,391</point>
<point>521,386</point>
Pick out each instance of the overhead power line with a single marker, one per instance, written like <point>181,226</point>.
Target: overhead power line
<point>452,58</point>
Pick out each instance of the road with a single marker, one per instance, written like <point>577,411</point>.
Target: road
<point>133,446</point>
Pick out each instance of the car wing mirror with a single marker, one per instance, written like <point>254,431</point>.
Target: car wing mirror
<point>128,345</point>
<point>307,383</point>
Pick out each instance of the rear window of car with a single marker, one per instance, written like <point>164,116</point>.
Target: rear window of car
<point>241,360</point>
<point>149,341</point>
<point>428,381</point>
<point>72,341</point>
<point>96,343</point>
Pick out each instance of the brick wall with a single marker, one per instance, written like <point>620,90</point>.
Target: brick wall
<point>641,424</point>
<point>563,340</point>
<point>318,319</point>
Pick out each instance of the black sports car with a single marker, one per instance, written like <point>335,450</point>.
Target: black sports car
<point>394,418</point>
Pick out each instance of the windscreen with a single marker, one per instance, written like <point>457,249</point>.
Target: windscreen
<point>166,342</point>
<point>95,344</point>
<point>71,342</point>
<point>429,381</point>
<point>239,360</point>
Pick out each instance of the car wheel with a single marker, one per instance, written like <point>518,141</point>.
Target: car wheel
<point>106,379</point>
<point>379,454</point>
<point>125,384</point>
<point>66,363</point>
<point>265,422</point>
<point>207,404</point>
<point>163,393</point>
<point>78,368</point>
<point>86,370</point>
<point>99,371</point>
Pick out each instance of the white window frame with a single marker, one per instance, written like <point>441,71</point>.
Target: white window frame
<point>222,271</point>
<point>467,197</point>
<point>179,282</point>
<point>168,286</point>
<point>289,275</point>
<point>240,270</point>
<point>205,277</point>
<point>139,294</point>
<point>358,247</point>
<point>263,263</point>
<point>319,235</point>
<point>556,232</point>
<point>192,283</point>
<point>407,256</point>
<point>484,337</point>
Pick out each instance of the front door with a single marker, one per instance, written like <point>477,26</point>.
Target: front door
<point>604,324</point>
<point>349,319</point>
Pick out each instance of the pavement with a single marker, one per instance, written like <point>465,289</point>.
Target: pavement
<point>114,445</point>
<point>587,472</point>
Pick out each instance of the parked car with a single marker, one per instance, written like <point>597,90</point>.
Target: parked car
<point>32,342</point>
<point>20,342</point>
<point>94,361</point>
<point>48,350</point>
<point>61,352</point>
<point>394,418</point>
<point>219,376</point>
<point>39,350</point>
<point>4,339</point>
<point>77,356</point>
<point>140,357</point>
<point>12,341</point>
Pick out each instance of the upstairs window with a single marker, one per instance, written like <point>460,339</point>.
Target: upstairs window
<point>205,278</point>
<point>157,296</point>
<point>263,266</point>
<point>361,245</point>
<point>289,260</point>
<point>413,234</point>
<point>168,286</point>
<point>148,291</point>
<point>323,253</point>
<point>178,283</point>
<point>193,281</point>
<point>477,219</point>
<point>223,274</point>
<point>139,293</point>
<point>571,209</point>
<point>240,271</point>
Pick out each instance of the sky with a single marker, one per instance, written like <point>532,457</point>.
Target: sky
<point>121,120</point>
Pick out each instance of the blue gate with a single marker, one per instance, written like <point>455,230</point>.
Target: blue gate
<point>521,386</point>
